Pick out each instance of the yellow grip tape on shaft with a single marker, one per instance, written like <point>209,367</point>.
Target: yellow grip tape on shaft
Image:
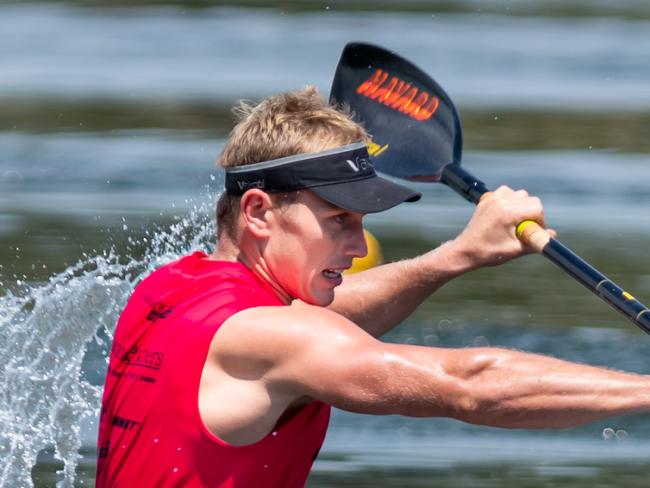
<point>522,226</point>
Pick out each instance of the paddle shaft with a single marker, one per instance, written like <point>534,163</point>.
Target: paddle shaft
<point>529,232</point>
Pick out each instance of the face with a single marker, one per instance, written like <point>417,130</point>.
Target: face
<point>312,243</point>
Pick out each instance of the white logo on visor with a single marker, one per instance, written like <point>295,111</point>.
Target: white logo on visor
<point>353,165</point>
<point>246,185</point>
<point>359,164</point>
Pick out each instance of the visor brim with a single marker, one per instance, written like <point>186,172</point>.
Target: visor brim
<point>369,195</point>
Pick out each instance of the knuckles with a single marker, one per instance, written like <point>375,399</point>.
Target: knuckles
<point>507,207</point>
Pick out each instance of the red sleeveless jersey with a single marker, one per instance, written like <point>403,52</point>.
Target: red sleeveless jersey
<point>151,433</point>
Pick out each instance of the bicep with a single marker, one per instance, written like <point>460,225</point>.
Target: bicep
<point>348,372</point>
<point>313,352</point>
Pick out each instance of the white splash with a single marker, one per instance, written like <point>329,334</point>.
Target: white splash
<point>45,331</point>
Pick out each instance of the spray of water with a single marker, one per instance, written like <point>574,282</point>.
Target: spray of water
<point>45,332</point>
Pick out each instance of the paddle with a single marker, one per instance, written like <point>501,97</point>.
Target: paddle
<point>417,136</point>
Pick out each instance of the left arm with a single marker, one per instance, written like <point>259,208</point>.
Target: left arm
<point>378,299</point>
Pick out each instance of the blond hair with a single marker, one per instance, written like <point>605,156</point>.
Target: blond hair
<point>279,126</point>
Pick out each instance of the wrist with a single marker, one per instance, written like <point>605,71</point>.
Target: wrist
<point>447,261</point>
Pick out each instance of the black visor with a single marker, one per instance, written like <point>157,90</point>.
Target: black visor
<point>344,176</point>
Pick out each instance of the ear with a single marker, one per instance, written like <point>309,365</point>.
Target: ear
<point>255,210</point>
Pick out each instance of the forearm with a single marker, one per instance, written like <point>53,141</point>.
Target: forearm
<point>511,389</point>
<point>381,298</point>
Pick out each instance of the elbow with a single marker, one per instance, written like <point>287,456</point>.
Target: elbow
<point>464,385</point>
<point>479,386</point>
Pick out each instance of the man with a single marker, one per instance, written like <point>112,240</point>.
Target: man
<point>224,367</point>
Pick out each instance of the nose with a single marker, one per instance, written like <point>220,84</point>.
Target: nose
<point>358,246</point>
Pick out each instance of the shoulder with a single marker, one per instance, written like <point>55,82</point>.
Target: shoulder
<point>289,322</point>
<point>275,334</point>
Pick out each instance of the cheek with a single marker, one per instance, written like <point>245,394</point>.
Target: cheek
<point>296,251</point>
<point>302,236</point>
<point>296,265</point>
<point>307,253</point>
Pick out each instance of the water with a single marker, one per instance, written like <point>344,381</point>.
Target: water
<point>48,330</point>
<point>591,63</point>
<point>111,119</point>
<point>62,329</point>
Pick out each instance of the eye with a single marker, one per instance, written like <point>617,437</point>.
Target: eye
<point>340,218</point>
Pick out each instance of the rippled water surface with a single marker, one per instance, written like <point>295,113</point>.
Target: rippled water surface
<point>111,118</point>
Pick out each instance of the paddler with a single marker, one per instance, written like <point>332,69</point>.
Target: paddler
<point>224,366</point>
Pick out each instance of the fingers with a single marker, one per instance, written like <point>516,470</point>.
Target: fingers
<point>490,236</point>
<point>506,190</point>
<point>530,208</point>
<point>516,205</point>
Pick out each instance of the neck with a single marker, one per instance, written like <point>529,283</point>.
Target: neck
<point>227,250</point>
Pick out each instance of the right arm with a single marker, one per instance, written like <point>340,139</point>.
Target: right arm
<point>335,362</point>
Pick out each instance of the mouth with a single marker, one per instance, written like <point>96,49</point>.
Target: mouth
<point>334,274</point>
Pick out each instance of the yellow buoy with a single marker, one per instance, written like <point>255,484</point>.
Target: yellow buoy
<point>370,260</point>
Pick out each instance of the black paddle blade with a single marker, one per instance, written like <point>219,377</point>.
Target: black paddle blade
<point>414,126</point>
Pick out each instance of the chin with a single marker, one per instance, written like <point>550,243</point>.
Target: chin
<point>321,299</point>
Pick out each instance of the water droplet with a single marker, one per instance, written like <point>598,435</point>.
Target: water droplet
<point>175,470</point>
<point>155,441</point>
<point>608,433</point>
<point>481,341</point>
<point>431,339</point>
<point>445,324</point>
<point>274,433</point>
<point>621,434</point>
